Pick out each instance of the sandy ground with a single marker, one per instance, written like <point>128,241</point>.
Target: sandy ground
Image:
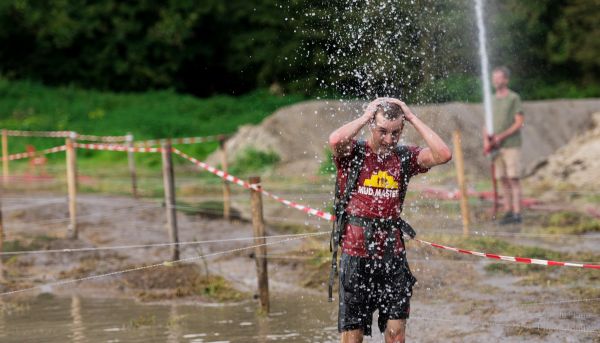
<point>456,298</point>
<point>298,133</point>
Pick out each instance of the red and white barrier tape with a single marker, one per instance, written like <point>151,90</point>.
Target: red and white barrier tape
<point>106,139</point>
<point>66,134</point>
<point>215,171</point>
<point>112,147</point>
<point>330,217</point>
<point>311,211</point>
<point>23,155</point>
<point>525,260</point>
<point>184,140</point>
<point>54,134</point>
<point>247,185</point>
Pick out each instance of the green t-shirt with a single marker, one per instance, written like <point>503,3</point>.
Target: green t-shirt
<point>504,110</point>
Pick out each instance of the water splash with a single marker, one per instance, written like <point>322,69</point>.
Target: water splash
<point>485,73</point>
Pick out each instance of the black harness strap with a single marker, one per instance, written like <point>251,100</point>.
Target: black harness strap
<point>340,205</point>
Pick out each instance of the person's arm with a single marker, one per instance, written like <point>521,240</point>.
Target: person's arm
<point>340,140</point>
<point>516,126</point>
<point>437,152</point>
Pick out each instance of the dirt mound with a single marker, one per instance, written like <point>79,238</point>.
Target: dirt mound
<point>299,133</point>
<point>577,163</point>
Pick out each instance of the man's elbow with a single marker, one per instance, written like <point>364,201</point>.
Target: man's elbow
<point>334,140</point>
<point>444,156</point>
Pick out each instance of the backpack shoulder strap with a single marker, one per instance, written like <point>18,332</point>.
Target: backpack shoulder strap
<point>403,153</point>
<point>356,163</point>
<point>340,203</point>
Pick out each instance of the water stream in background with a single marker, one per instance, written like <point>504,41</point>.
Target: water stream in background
<point>485,72</point>
<point>77,319</point>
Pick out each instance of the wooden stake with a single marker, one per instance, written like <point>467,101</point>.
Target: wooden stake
<point>72,185</point>
<point>462,184</point>
<point>4,156</point>
<point>2,279</point>
<point>226,189</point>
<point>260,252</point>
<point>131,160</point>
<point>169,186</point>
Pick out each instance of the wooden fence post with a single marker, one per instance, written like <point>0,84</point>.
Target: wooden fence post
<point>131,160</point>
<point>2,279</point>
<point>462,184</point>
<point>72,231</point>
<point>169,186</point>
<point>260,252</point>
<point>226,189</point>
<point>4,156</point>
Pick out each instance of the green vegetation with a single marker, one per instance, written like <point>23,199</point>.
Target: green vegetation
<point>251,160</point>
<point>144,320</point>
<point>181,280</point>
<point>327,166</point>
<point>156,114</point>
<point>210,209</point>
<point>570,223</point>
<point>431,46</point>
<point>39,242</point>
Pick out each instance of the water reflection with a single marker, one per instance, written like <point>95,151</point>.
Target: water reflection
<point>77,327</point>
<point>174,325</point>
<point>77,319</point>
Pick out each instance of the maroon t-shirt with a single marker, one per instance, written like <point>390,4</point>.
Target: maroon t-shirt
<point>377,195</point>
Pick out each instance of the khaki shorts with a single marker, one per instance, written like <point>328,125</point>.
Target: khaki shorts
<point>508,163</point>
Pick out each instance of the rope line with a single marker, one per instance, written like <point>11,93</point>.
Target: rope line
<point>154,245</point>
<point>165,263</point>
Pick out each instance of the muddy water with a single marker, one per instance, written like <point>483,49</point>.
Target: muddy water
<point>77,319</point>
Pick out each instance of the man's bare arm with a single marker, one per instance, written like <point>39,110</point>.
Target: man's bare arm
<point>516,126</point>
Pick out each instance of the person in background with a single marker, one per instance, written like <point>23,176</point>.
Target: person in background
<point>505,143</point>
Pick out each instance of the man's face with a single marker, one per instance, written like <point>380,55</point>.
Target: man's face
<point>499,80</point>
<point>386,132</point>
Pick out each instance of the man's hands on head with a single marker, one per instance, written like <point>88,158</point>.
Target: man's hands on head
<point>408,114</point>
<point>371,109</point>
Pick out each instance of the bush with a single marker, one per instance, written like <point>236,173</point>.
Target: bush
<point>251,160</point>
<point>327,166</point>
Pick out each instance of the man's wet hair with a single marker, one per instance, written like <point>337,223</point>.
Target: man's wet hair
<point>504,70</point>
<point>390,111</point>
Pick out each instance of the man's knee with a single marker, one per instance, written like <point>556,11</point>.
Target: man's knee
<point>395,331</point>
<point>514,182</point>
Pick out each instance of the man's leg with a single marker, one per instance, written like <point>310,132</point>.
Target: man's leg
<point>500,166</point>
<point>352,336</point>
<point>515,186</point>
<point>513,171</point>
<point>395,331</point>
<point>508,194</point>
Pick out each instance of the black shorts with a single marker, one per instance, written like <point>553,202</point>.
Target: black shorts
<point>367,285</point>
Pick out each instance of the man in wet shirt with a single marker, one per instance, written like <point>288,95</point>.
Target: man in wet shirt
<point>374,274</point>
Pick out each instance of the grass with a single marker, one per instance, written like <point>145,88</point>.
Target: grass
<point>26,105</point>
<point>251,160</point>
<point>39,242</point>
<point>530,275</point>
<point>181,280</point>
<point>566,222</point>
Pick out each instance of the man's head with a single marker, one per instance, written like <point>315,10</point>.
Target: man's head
<point>500,77</point>
<point>386,126</point>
